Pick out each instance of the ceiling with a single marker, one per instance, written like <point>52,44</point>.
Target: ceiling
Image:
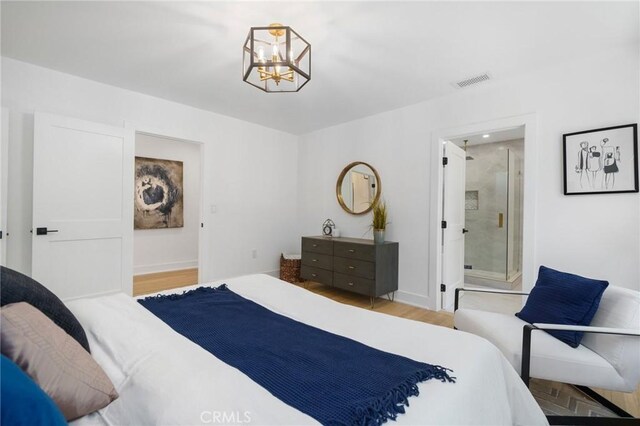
<point>367,57</point>
<point>499,136</point>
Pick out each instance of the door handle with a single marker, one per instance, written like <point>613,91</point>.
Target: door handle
<point>465,230</point>
<point>500,220</point>
<point>44,231</point>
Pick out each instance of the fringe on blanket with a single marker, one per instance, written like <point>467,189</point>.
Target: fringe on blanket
<point>201,290</point>
<point>390,405</point>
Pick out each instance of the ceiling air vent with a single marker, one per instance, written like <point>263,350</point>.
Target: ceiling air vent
<point>472,80</point>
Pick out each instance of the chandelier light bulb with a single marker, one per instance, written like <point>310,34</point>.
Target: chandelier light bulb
<point>261,54</point>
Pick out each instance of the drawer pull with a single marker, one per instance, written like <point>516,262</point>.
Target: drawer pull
<point>352,251</point>
<point>352,267</point>
<point>351,284</point>
<point>314,260</point>
<point>315,245</point>
<point>314,275</point>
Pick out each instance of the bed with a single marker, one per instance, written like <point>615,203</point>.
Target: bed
<point>163,378</point>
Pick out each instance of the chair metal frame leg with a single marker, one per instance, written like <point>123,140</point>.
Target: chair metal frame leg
<point>593,421</point>
<point>624,419</point>
<point>603,401</point>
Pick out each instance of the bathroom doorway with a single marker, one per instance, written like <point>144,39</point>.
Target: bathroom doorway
<point>494,194</point>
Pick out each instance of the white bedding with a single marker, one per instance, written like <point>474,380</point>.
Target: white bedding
<point>165,379</point>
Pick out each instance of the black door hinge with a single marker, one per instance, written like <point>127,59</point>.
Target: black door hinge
<point>443,287</point>
<point>443,224</point>
<point>445,161</point>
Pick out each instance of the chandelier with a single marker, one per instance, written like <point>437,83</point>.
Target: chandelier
<point>276,59</point>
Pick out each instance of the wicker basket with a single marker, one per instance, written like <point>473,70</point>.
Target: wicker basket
<point>290,269</point>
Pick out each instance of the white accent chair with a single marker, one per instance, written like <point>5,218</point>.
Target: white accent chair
<point>608,356</point>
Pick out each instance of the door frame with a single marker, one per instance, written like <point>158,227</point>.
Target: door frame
<point>169,134</point>
<point>529,121</point>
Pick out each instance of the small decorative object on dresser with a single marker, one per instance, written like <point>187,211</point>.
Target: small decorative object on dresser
<point>351,264</point>
<point>379,223</point>
<point>327,228</point>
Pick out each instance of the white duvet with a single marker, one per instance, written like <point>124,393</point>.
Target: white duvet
<point>165,379</point>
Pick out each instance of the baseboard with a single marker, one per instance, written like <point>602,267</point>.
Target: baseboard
<point>412,299</point>
<point>164,267</point>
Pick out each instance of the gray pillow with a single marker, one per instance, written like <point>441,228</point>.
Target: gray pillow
<point>16,287</point>
<point>55,361</point>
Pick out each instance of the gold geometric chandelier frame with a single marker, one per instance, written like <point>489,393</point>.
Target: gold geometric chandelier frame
<point>276,59</point>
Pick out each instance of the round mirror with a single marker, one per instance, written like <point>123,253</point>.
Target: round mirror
<point>358,188</point>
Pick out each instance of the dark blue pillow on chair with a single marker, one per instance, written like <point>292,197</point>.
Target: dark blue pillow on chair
<point>23,402</point>
<point>562,298</point>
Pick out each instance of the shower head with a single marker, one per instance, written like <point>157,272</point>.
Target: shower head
<point>468,157</point>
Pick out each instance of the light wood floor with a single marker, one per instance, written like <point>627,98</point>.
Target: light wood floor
<point>159,281</point>
<point>383,305</point>
<point>151,283</point>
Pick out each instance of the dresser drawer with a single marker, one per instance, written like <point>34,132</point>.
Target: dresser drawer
<point>359,268</point>
<point>321,276</point>
<point>317,260</point>
<point>355,251</point>
<point>317,245</point>
<point>355,284</point>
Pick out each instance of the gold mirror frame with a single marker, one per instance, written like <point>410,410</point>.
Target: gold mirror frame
<point>339,187</point>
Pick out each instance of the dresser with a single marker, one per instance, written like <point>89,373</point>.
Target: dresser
<point>352,264</point>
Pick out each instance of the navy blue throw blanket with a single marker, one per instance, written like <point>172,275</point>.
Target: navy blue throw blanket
<point>335,380</point>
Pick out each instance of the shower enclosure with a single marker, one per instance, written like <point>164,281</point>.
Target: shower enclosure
<point>493,216</point>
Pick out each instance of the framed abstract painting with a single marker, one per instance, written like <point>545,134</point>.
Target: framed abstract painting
<point>158,194</point>
<point>601,161</point>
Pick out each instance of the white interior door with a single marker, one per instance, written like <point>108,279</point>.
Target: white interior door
<point>4,178</point>
<point>453,215</point>
<point>82,206</point>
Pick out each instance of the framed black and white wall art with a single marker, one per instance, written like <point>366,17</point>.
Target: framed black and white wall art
<point>158,194</point>
<point>601,161</point>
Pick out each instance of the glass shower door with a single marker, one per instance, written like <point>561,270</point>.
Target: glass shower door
<point>487,213</point>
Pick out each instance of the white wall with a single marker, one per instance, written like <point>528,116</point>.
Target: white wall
<point>251,213</point>
<point>596,235</point>
<point>158,250</point>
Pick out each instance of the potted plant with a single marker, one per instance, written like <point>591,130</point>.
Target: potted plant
<point>379,223</point>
